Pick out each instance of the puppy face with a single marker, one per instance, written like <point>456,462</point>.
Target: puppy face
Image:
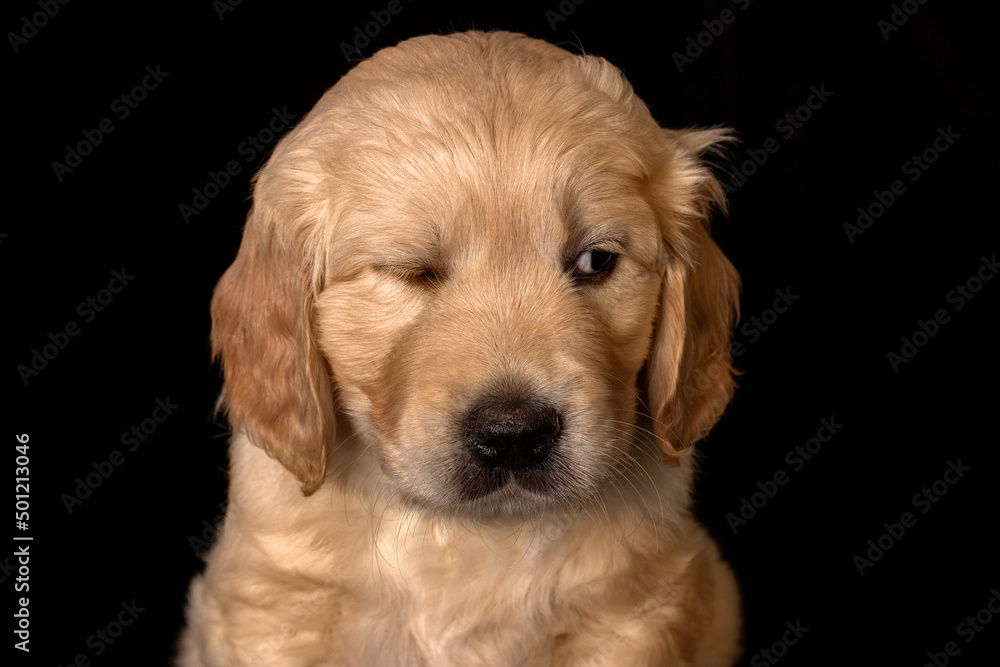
<point>489,342</point>
<point>472,246</point>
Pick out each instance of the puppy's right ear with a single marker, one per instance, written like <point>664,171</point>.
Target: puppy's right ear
<point>690,375</point>
<point>277,387</point>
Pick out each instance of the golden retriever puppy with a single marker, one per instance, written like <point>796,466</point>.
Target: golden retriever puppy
<point>474,328</point>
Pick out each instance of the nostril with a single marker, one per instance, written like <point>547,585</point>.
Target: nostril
<point>511,436</point>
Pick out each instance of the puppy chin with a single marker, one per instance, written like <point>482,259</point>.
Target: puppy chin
<point>514,503</point>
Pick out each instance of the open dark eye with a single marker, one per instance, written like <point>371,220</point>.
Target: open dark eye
<point>592,263</point>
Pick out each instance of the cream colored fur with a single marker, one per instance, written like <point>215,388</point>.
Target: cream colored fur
<point>411,252</point>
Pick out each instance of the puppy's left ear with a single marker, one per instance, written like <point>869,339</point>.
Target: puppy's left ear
<point>689,375</point>
<point>277,387</point>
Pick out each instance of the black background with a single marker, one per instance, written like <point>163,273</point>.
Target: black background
<point>826,357</point>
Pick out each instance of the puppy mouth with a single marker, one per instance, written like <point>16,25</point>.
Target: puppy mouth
<point>479,481</point>
<point>504,456</point>
<point>469,484</point>
<point>489,494</point>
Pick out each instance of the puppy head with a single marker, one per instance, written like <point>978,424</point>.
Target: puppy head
<point>479,241</point>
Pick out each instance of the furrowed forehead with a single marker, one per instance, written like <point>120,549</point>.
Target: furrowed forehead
<point>494,151</point>
<point>525,143</point>
<point>434,197</point>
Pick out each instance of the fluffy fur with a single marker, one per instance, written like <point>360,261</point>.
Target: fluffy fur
<point>410,278</point>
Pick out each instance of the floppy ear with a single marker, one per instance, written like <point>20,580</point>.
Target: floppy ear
<point>689,375</point>
<point>277,387</point>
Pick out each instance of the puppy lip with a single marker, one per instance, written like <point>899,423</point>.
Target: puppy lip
<point>480,481</point>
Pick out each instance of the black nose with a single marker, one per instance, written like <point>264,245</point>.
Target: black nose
<point>511,435</point>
